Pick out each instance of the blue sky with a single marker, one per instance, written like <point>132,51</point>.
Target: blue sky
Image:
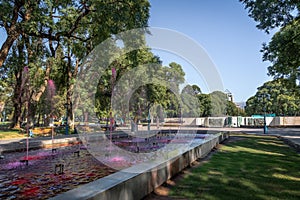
<point>228,35</point>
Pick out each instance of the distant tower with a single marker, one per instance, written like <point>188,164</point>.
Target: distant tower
<point>229,95</point>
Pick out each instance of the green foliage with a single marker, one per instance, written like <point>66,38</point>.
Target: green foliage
<point>205,106</point>
<point>6,91</point>
<point>283,49</point>
<point>221,106</point>
<point>219,103</point>
<point>141,84</point>
<point>279,100</point>
<point>195,104</point>
<point>283,52</point>
<point>233,110</point>
<point>272,13</point>
<point>53,38</point>
<point>190,105</point>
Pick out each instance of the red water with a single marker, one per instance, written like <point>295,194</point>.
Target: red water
<point>38,179</point>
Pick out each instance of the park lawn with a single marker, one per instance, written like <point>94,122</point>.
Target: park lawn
<point>11,134</point>
<point>257,167</point>
<point>7,133</point>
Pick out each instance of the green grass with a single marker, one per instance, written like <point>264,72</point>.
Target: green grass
<point>4,125</point>
<point>11,134</point>
<point>258,167</point>
<point>7,133</point>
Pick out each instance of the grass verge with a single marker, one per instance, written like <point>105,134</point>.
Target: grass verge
<point>11,134</point>
<point>257,167</point>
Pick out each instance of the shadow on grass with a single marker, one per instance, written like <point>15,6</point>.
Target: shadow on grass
<point>254,168</point>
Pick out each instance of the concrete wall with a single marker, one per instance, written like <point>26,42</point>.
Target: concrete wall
<point>139,180</point>
<point>290,121</point>
<point>235,122</point>
<point>275,121</point>
<point>185,121</point>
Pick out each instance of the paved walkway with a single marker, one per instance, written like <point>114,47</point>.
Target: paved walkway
<point>290,135</point>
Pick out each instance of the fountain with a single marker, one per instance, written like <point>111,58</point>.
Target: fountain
<point>60,168</point>
<point>52,172</point>
<point>47,173</point>
<point>77,153</point>
<point>51,90</point>
<point>25,84</point>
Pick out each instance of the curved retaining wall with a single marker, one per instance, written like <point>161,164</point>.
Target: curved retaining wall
<point>140,180</point>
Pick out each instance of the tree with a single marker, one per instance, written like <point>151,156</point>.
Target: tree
<point>205,105</point>
<point>19,81</point>
<point>274,97</point>
<point>233,110</point>
<point>219,103</point>
<point>272,13</point>
<point>131,75</point>
<point>61,33</point>
<point>197,89</point>
<point>56,20</point>
<point>6,91</point>
<point>221,106</point>
<point>190,102</point>
<point>283,49</point>
<point>191,89</point>
<point>142,81</point>
<point>283,52</point>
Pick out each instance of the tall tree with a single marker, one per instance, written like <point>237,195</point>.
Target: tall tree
<point>65,19</point>
<point>70,28</point>
<point>190,102</point>
<point>274,97</point>
<point>272,13</point>
<point>219,103</point>
<point>205,105</point>
<point>283,50</point>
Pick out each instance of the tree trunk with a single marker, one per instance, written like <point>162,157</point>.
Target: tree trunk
<point>17,101</point>
<point>12,31</point>
<point>70,88</point>
<point>16,123</point>
<point>6,47</point>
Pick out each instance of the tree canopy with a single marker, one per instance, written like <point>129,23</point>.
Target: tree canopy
<point>67,20</point>
<point>272,13</point>
<point>274,97</point>
<point>44,55</point>
<point>283,49</point>
<point>51,38</point>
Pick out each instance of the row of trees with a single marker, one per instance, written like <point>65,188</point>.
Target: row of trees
<point>47,41</point>
<point>280,96</point>
<point>43,56</point>
<point>275,97</point>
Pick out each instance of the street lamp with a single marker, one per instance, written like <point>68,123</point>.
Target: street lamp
<point>298,75</point>
<point>265,96</point>
<point>180,113</point>
<point>149,119</point>
<point>67,128</point>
